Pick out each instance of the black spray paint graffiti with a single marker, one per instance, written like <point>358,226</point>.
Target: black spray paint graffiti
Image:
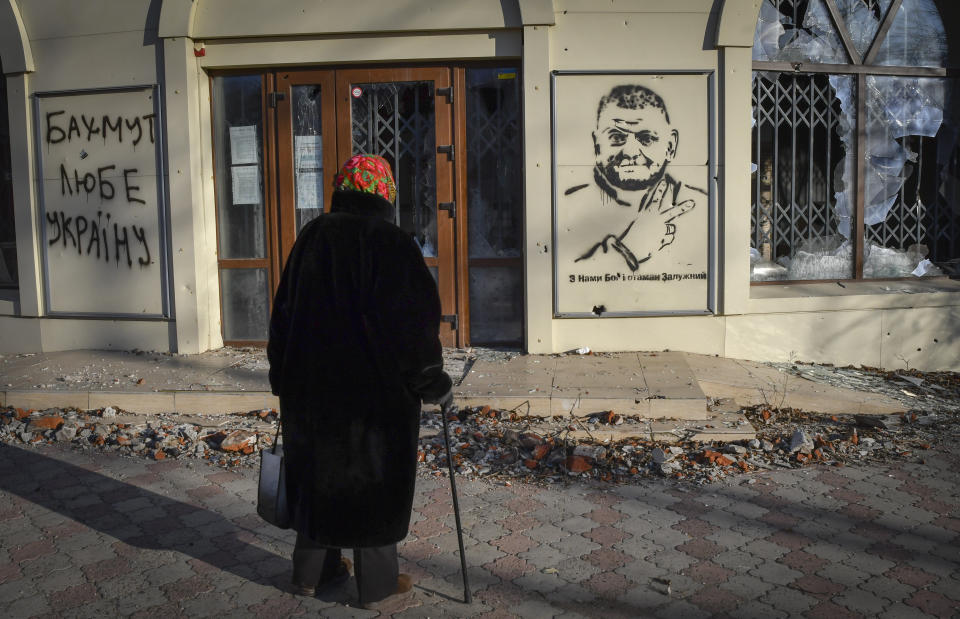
<point>88,183</point>
<point>73,229</point>
<point>99,236</point>
<point>634,143</point>
<point>102,126</point>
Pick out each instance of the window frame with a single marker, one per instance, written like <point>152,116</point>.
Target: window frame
<point>859,69</point>
<point>6,155</point>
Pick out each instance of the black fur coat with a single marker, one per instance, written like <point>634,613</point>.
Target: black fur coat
<point>353,349</point>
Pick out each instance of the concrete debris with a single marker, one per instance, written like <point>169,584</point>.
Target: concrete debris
<point>66,433</point>
<point>887,422</point>
<point>659,456</point>
<point>506,445</point>
<point>800,442</point>
<point>487,443</point>
<point>590,452</point>
<point>927,391</point>
<point>156,436</point>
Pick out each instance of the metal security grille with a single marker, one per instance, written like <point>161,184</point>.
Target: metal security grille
<point>396,121</point>
<point>854,146</point>
<point>797,150</point>
<point>495,164</point>
<point>920,215</point>
<point>494,205</point>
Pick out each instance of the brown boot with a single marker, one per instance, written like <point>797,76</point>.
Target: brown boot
<point>342,575</point>
<point>403,591</point>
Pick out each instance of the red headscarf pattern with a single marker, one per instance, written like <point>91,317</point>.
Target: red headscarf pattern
<point>369,174</point>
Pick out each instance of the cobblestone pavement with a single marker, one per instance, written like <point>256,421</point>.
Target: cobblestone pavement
<point>85,535</point>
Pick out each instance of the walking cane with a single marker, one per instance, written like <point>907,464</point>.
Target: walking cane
<point>467,598</point>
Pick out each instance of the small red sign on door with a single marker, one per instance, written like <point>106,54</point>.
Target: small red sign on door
<point>356,92</point>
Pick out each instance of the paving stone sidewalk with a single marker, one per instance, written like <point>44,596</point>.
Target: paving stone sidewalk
<point>93,535</point>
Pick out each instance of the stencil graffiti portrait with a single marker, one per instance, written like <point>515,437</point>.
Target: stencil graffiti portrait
<point>632,209</point>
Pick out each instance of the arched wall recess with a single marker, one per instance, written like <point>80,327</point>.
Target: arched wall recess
<point>176,18</point>
<point>14,44</point>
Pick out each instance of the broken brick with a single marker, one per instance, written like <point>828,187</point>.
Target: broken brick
<point>237,440</point>
<point>578,464</point>
<point>50,422</point>
<point>530,440</point>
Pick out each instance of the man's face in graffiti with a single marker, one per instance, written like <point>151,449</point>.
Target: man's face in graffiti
<point>633,145</point>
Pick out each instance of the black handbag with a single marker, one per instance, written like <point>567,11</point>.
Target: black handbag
<point>272,488</point>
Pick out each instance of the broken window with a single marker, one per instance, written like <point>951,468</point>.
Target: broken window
<point>828,204</point>
<point>8,234</point>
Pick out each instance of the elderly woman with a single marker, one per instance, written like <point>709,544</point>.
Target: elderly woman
<point>353,351</point>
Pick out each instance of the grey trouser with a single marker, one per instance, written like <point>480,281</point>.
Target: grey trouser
<point>376,569</point>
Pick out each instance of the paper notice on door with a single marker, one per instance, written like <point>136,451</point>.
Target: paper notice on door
<point>245,184</point>
<point>310,190</point>
<point>243,145</point>
<point>308,152</point>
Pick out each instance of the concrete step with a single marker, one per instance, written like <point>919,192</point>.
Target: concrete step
<point>647,385</point>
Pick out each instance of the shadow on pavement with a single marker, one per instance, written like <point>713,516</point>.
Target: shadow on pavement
<point>141,518</point>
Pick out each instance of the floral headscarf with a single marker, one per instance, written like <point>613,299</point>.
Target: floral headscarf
<point>369,174</point>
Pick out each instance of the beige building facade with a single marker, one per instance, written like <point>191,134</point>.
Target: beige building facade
<point>694,175</point>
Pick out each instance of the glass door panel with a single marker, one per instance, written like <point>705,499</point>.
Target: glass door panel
<point>399,115</point>
<point>307,150</point>
<point>307,154</point>
<point>246,303</point>
<point>242,131</point>
<point>396,121</point>
<point>238,144</point>
<point>494,204</point>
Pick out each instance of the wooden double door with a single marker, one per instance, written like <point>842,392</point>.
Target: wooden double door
<point>323,117</point>
<point>452,135</point>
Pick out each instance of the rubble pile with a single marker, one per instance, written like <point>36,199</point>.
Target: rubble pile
<point>503,444</point>
<point>507,444</point>
<point>927,391</point>
<point>234,443</point>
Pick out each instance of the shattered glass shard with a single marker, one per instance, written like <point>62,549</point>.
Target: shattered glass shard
<point>862,19</point>
<point>917,37</point>
<point>778,38</point>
